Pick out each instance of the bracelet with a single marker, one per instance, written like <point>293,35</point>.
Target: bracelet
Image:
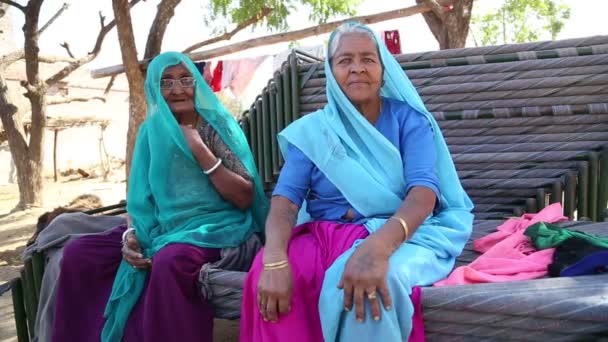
<point>276,265</point>
<point>406,230</point>
<point>124,235</point>
<point>214,167</point>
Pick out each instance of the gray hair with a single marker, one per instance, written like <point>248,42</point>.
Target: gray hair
<point>346,29</point>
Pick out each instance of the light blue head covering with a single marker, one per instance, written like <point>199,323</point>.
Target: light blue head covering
<point>357,158</point>
<point>368,171</point>
<point>170,199</point>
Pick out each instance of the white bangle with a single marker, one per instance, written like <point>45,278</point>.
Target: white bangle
<point>124,235</point>
<point>214,167</point>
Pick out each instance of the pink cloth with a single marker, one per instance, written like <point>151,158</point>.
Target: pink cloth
<point>417,334</point>
<point>207,75</point>
<point>508,255</point>
<point>237,73</point>
<point>313,248</point>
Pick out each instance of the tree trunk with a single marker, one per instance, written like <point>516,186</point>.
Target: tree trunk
<point>135,77</point>
<point>29,179</point>
<point>35,188</point>
<point>12,123</point>
<point>449,25</point>
<point>28,157</point>
<point>164,13</point>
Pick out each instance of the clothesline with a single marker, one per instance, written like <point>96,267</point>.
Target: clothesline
<point>237,74</point>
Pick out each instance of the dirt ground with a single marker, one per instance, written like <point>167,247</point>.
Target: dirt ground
<point>17,227</point>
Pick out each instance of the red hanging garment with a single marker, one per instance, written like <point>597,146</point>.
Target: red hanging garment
<point>392,41</point>
<point>216,82</point>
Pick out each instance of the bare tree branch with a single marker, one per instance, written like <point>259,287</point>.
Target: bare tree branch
<point>75,99</point>
<point>14,56</point>
<point>66,46</point>
<point>434,21</point>
<point>54,17</point>
<point>14,4</point>
<point>65,72</point>
<point>281,37</point>
<point>28,87</point>
<point>11,58</point>
<point>164,13</point>
<point>449,23</point>
<point>30,45</point>
<point>56,59</point>
<point>109,86</point>
<point>436,8</point>
<point>11,121</point>
<point>228,35</point>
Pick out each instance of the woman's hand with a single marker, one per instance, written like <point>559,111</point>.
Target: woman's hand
<point>193,138</point>
<point>364,279</point>
<point>131,252</point>
<point>274,293</point>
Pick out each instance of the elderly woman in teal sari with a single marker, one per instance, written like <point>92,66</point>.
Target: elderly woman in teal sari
<point>193,189</point>
<point>370,187</point>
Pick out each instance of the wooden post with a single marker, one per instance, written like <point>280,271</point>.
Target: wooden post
<point>55,155</point>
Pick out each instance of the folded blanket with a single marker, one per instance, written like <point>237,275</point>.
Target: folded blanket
<point>221,282</point>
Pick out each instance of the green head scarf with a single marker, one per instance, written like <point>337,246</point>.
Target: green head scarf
<point>170,199</point>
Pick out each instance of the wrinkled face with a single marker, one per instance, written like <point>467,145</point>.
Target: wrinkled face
<point>357,67</point>
<point>177,88</point>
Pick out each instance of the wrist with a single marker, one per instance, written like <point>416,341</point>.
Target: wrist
<point>126,233</point>
<point>379,246</point>
<point>273,256</point>
<point>204,156</point>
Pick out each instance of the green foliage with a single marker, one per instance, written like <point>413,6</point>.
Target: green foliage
<point>221,12</point>
<point>294,44</point>
<point>230,102</point>
<point>518,21</point>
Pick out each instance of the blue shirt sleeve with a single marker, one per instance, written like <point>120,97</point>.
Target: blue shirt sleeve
<point>294,179</point>
<point>418,152</point>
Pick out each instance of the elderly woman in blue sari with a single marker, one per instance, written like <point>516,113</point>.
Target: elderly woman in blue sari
<point>371,177</point>
<point>193,189</point>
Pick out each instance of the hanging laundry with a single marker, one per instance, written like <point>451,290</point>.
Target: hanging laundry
<point>205,69</point>
<point>216,80</point>
<point>258,81</point>
<point>392,41</point>
<point>200,66</point>
<point>508,254</point>
<point>237,73</point>
<point>316,51</point>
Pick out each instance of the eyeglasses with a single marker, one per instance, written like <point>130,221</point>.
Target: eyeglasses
<point>184,82</point>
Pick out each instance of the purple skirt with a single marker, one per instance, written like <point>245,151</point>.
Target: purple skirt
<point>170,309</point>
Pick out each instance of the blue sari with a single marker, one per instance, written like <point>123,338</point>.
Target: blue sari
<point>355,157</point>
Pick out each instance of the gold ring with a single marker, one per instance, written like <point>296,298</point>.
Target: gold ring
<point>371,296</point>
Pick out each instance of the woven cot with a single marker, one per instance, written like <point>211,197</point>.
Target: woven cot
<point>527,125</point>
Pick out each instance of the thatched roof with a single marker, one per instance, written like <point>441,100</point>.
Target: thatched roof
<point>63,123</point>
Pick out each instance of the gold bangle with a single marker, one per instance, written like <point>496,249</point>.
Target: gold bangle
<point>278,263</point>
<point>278,267</point>
<point>406,230</point>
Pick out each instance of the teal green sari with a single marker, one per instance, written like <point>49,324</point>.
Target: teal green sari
<point>170,199</point>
